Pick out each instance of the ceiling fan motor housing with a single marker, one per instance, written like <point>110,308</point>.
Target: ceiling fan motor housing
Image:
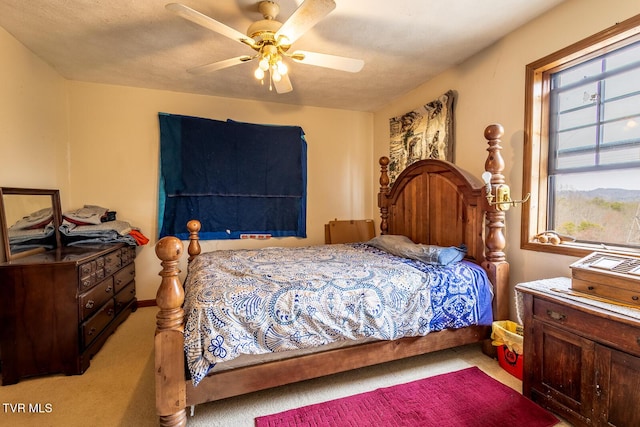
<point>263,31</point>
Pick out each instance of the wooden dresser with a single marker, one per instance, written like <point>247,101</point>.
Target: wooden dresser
<point>57,308</point>
<point>581,357</point>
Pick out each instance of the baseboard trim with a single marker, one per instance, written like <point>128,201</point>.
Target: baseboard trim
<point>147,303</point>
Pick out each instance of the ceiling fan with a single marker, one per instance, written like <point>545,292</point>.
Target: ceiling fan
<point>272,40</point>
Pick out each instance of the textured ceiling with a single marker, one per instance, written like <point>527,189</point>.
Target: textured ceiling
<point>404,43</point>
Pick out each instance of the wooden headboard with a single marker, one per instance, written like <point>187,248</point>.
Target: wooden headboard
<point>415,204</point>
<point>437,203</point>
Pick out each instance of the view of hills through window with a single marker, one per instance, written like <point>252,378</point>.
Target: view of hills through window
<point>590,210</point>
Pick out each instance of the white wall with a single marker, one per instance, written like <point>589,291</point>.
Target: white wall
<point>490,89</point>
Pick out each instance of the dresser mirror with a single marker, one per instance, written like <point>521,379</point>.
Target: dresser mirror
<point>30,220</point>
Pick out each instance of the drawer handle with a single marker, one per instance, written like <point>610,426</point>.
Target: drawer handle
<point>108,289</point>
<point>91,331</point>
<point>555,315</point>
<point>635,298</point>
<point>90,304</point>
<point>590,288</point>
<point>110,312</point>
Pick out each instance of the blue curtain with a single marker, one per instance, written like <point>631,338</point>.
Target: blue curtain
<point>235,178</point>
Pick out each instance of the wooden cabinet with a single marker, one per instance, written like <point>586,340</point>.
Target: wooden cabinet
<point>581,361</point>
<point>57,308</point>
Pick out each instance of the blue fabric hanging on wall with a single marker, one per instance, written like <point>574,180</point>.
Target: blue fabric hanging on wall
<point>235,178</point>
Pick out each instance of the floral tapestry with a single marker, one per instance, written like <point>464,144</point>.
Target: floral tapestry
<point>424,133</point>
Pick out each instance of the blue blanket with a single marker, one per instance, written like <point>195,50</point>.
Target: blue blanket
<point>278,299</point>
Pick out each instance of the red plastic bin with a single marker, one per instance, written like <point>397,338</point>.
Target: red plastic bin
<point>510,361</point>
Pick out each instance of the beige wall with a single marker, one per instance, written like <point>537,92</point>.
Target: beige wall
<point>490,89</point>
<point>33,119</point>
<point>114,141</point>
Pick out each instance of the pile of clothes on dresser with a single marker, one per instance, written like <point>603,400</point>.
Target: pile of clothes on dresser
<point>95,224</point>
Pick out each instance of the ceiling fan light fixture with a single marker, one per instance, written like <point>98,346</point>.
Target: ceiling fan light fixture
<point>282,67</point>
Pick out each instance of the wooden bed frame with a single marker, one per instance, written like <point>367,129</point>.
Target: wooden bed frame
<point>432,202</point>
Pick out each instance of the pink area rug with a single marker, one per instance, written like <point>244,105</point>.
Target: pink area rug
<point>466,398</point>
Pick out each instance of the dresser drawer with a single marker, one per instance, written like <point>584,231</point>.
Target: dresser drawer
<point>112,262</point>
<point>87,269</point>
<point>91,273</point>
<point>87,274</point>
<point>613,333</point>
<point>128,255</point>
<point>92,300</point>
<point>125,296</point>
<point>123,277</point>
<point>92,327</point>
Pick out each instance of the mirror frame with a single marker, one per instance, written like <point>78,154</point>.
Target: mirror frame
<point>57,218</point>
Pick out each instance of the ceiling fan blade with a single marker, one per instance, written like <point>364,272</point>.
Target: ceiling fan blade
<point>202,69</point>
<point>284,85</point>
<point>210,23</point>
<point>328,61</point>
<point>306,16</point>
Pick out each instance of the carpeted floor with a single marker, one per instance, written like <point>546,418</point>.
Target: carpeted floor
<point>118,387</point>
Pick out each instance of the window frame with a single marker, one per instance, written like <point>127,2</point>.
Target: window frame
<point>536,155</point>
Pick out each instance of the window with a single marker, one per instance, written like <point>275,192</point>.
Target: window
<point>582,145</point>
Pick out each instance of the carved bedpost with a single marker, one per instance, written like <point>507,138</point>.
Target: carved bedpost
<point>170,294</point>
<point>495,260</point>
<point>169,339</point>
<point>194,239</point>
<point>384,190</point>
<point>495,241</point>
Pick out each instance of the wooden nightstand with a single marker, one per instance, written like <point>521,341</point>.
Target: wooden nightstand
<point>581,357</point>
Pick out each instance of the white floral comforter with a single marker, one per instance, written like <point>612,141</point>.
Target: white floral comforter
<point>278,299</point>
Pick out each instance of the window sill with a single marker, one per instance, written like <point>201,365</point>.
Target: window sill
<point>577,249</point>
